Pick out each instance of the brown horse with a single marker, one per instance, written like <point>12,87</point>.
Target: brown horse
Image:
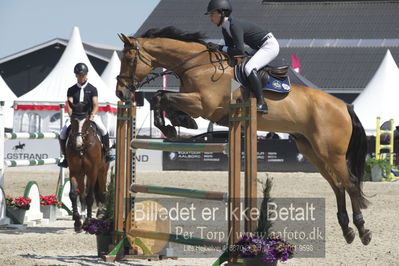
<point>326,130</point>
<point>87,166</point>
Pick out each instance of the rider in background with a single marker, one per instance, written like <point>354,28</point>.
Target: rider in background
<point>83,91</point>
<point>236,33</point>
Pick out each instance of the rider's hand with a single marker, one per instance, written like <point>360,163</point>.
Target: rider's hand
<point>91,117</point>
<point>213,47</point>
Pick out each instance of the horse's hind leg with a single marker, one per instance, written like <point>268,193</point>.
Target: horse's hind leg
<point>365,234</point>
<point>336,163</point>
<point>306,149</point>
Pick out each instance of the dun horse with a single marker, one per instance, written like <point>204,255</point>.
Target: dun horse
<point>87,166</point>
<point>326,130</point>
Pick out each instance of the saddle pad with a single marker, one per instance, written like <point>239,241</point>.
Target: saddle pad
<point>281,86</point>
<point>272,84</point>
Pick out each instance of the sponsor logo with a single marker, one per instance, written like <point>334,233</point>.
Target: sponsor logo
<point>172,156</point>
<point>276,84</point>
<point>286,87</point>
<point>19,147</point>
<point>26,156</point>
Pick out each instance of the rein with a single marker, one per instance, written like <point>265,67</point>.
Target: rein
<point>137,84</point>
<point>85,136</point>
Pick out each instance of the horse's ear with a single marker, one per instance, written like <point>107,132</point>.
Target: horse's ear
<point>125,39</point>
<point>120,37</point>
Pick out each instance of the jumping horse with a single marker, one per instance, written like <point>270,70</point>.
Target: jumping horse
<point>87,166</point>
<point>326,130</point>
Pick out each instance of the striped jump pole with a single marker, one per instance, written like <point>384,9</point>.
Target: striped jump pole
<point>35,135</point>
<point>16,163</point>
<point>182,147</point>
<point>181,192</point>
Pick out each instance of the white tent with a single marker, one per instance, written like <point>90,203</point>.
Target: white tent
<point>112,71</point>
<point>54,87</point>
<point>8,96</point>
<point>35,110</point>
<point>380,96</point>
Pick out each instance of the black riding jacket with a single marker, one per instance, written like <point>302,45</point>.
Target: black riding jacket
<point>90,92</point>
<point>243,32</point>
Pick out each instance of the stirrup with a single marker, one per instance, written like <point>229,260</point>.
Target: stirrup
<point>63,164</point>
<point>262,108</point>
<point>109,158</point>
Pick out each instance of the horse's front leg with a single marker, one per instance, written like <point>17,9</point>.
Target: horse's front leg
<point>91,181</point>
<point>186,103</point>
<point>73,196</point>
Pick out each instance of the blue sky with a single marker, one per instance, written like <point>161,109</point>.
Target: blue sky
<point>26,23</point>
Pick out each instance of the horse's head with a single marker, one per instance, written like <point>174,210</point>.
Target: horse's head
<point>80,124</point>
<point>135,66</point>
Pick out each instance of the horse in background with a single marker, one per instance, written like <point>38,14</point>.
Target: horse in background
<point>326,130</point>
<point>87,166</point>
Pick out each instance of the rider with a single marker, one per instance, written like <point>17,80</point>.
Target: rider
<point>83,91</point>
<point>236,33</point>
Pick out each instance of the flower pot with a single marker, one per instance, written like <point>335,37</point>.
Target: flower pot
<point>103,243</point>
<point>376,173</point>
<point>256,261</point>
<point>49,212</point>
<point>16,215</point>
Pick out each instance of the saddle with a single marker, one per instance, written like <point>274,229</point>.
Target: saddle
<point>273,78</point>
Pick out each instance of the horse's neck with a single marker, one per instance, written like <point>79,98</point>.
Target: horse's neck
<point>171,53</point>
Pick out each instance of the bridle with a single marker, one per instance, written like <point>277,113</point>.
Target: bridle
<point>136,84</point>
<point>85,137</point>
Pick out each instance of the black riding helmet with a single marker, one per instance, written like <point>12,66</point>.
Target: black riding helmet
<point>220,5</point>
<point>80,69</point>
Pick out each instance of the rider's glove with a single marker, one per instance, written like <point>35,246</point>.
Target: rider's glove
<point>213,47</point>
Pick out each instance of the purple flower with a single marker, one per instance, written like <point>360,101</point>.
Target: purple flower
<point>270,249</point>
<point>97,226</point>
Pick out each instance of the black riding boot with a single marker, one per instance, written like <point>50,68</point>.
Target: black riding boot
<point>256,87</point>
<point>64,162</point>
<point>105,141</point>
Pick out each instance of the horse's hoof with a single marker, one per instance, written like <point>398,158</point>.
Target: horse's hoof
<point>78,226</point>
<point>349,236</point>
<point>366,237</point>
<point>188,122</point>
<point>170,132</point>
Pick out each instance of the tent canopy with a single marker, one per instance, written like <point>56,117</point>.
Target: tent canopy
<point>8,97</point>
<point>53,88</point>
<point>380,97</point>
<point>112,71</point>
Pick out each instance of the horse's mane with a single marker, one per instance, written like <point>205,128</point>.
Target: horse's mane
<point>174,33</point>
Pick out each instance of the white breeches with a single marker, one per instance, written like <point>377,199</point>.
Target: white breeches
<point>266,53</point>
<point>97,120</point>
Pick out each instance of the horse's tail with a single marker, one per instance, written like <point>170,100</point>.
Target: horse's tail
<point>356,156</point>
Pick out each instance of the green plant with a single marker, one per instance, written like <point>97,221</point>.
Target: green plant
<point>109,197</point>
<point>382,163</point>
<point>265,224</point>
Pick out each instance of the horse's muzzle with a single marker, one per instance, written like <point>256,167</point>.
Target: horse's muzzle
<point>124,95</point>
